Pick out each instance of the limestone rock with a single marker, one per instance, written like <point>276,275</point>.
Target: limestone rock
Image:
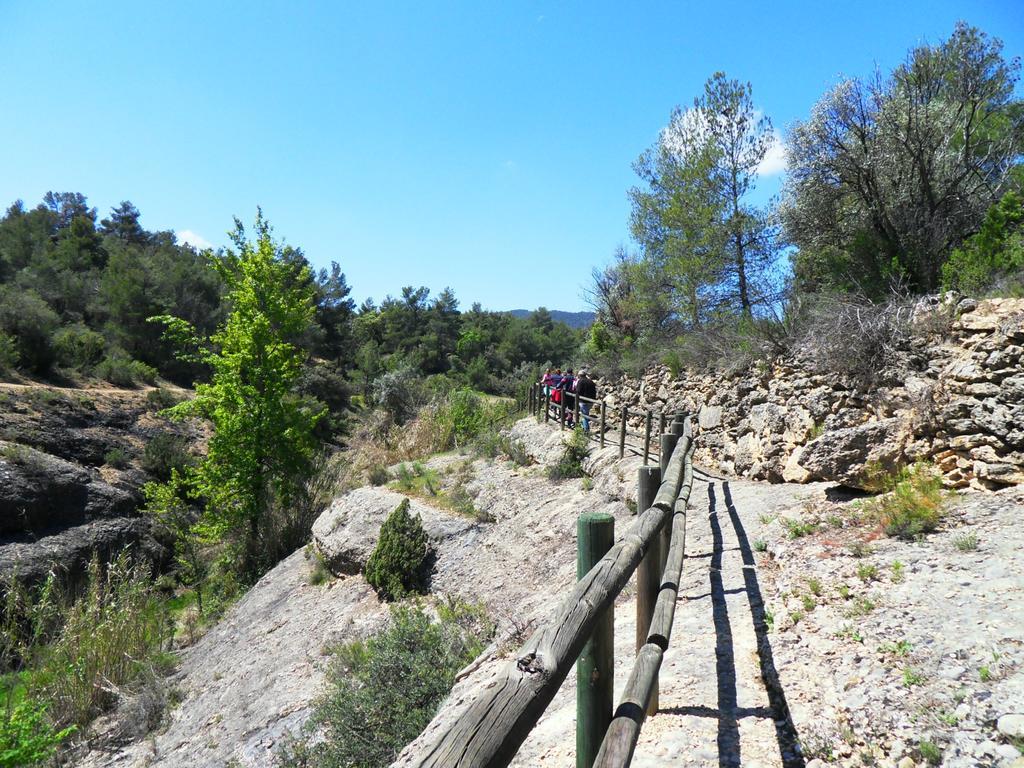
<point>710,416</point>
<point>346,533</point>
<point>851,456</point>
<point>1011,726</point>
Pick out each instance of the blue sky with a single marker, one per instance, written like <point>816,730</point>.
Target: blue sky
<point>482,145</point>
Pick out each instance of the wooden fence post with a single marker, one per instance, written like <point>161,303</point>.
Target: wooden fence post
<point>622,431</point>
<point>648,573</point>
<point>595,667</point>
<point>547,407</point>
<point>661,423</point>
<point>603,408</point>
<point>576,412</point>
<point>668,445</point>
<point>561,413</point>
<point>647,435</point>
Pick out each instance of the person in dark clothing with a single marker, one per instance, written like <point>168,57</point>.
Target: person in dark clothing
<point>568,387</point>
<point>585,387</point>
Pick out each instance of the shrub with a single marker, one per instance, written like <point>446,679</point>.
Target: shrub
<point>914,506</point>
<point>116,457</point>
<point>122,371</point>
<point>28,319</point>
<point>855,338</point>
<point>996,250</point>
<point>394,393</point>
<point>383,691</point>
<point>570,464</point>
<point>9,356</point>
<point>378,474</point>
<point>164,453</point>
<point>399,564</point>
<point>967,542</point>
<point>26,735</point>
<point>161,398</point>
<point>78,347</point>
<point>77,653</point>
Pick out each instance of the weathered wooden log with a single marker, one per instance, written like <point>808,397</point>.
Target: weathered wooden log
<point>490,731</point>
<point>603,408</point>
<point>648,573</point>
<point>622,431</point>
<point>561,412</point>
<point>596,665</point>
<point>618,746</point>
<point>647,436</point>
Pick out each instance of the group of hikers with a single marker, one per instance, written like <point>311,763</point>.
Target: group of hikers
<point>565,387</point>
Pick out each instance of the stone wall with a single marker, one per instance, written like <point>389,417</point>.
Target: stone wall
<point>961,407</point>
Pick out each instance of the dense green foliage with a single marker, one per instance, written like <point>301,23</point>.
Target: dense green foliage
<point>76,295</point>
<point>76,292</point>
<point>263,442</point>
<point>384,691</point>
<point>995,253</point>
<point>27,737</point>
<point>400,563</point>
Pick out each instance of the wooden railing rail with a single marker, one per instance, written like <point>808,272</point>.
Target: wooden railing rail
<point>608,421</point>
<point>490,731</point>
<point>622,735</point>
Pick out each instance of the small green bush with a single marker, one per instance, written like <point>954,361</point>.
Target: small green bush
<point>378,474</point>
<point>914,507</point>
<point>122,371</point>
<point>570,464</point>
<point>399,563</point>
<point>78,347</point>
<point>164,453</point>
<point>930,752</point>
<point>26,735</point>
<point>160,399</point>
<point>116,457</point>
<point>9,356</point>
<point>383,692</point>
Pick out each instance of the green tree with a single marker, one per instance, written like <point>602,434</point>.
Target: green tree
<point>995,251</point>
<point>263,437</point>
<point>888,175</point>
<point>704,248</point>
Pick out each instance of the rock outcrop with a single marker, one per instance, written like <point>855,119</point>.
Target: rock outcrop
<point>961,407</point>
<point>347,532</point>
<point>60,500</point>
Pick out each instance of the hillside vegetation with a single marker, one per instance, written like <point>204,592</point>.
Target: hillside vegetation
<point>898,185</point>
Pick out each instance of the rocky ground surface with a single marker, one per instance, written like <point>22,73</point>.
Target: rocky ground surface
<point>70,476</point>
<point>867,663</point>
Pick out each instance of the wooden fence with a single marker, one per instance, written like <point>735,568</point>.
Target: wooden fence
<point>606,423</point>
<point>490,731</point>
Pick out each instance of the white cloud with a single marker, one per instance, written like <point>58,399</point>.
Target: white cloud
<point>688,128</point>
<point>197,241</point>
<point>774,160</point>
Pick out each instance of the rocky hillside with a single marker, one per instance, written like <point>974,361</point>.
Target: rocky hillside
<point>876,646</point>
<point>71,475</point>
<point>959,404</point>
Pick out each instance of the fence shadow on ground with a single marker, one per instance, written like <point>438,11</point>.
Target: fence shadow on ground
<point>728,711</point>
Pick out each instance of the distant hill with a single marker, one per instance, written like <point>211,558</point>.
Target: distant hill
<point>572,319</point>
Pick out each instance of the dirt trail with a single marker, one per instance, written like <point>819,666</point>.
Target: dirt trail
<point>714,707</point>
